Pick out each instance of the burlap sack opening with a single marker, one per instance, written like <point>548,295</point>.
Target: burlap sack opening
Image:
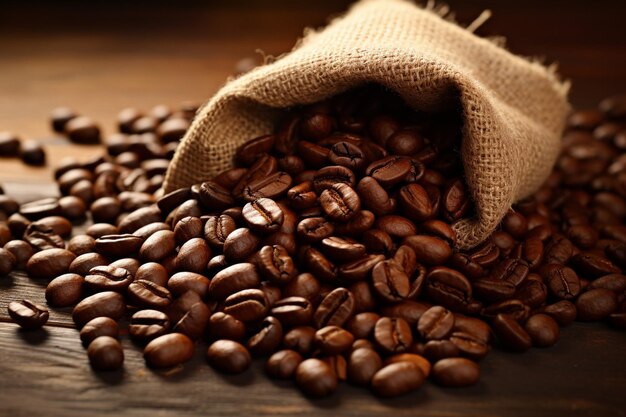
<point>514,109</point>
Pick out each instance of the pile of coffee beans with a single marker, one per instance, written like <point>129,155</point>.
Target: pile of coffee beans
<point>327,250</point>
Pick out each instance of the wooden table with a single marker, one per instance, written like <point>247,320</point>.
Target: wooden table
<point>103,57</point>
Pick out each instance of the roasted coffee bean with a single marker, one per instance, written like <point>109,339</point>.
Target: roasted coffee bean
<point>456,202</point>
<point>378,241</point>
<point>362,325</point>
<point>59,225</point>
<point>262,168</point>
<point>108,278</point>
<point>359,223</point>
<point>456,372</point>
<point>361,268</point>
<point>338,365</point>
<point>272,186</point>
<point>139,218</point>
<point>240,245</point>
<point>49,263</point>
<point>193,256</point>
<point>283,364</point>
<point>340,202</point>
<point>293,311</point>
<point>374,197</point>
<point>249,151</point>
<point>129,264</point>
<point>326,177</point>
<point>436,323</point>
<point>390,170</point>
<point>515,224</point>
<point>100,326</point>
<point>81,244</point>
<point>217,229</point>
<point>348,155</point>
<point>396,226</point>
<point>315,378</point>
<point>33,153</point>
<point>559,250</point>
<point>263,216</point>
<point>543,330</point>
<point>181,282</point>
<point>247,305</point>
<point>314,229</point>
<point>275,264</point>
<point>513,308</point>
<point>7,262</point>
<point>319,265</point>
<point>511,270</point>
<point>41,208</point>
<point>8,205</point>
<point>154,272</point>
<point>429,250</point>
<point>313,155</point>
<point>397,379</point>
<point>188,228</point>
<point>158,246</point>
<point>492,290</point>
<point>267,339</point>
<point>564,312</point>
<point>613,282</point>
<point>28,315</point>
<point>214,197</point>
<point>105,354</point>
<point>342,250</point>
<point>470,345</point>
<point>228,356</point>
<point>65,290</point>
<point>194,323</point>
<point>235,278</point>
<point>168,350</point>
<point>82,129</point>
<point>562,281</point>
<point>9,144</point>
<point>170,201</point>
<point>103,304</point>
<point>303,285</point>
<point>393,335</point>
<point>335,309</point>
<point>449,288</point>
<point>390,281</point>
<point>596,304</point>
<point>147,294</point>
<point>20,250</point>
<point>300,339</point>
<point>332,340</point>
<point>225,326</point>
<point>435,350</point>
<point>408,310</point>
<point>593,265</point>
<point>511,333</point>
<point>42,237</point>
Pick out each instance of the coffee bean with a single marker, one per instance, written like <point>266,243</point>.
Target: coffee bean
<point>105,354</point>
<point>543,330</point>
<point>436,323</point>
<point>28,315</point>
<point>335,309</point>
<point>409,311</point>
<point>293,311</point>
<point>249,151</point>
<point>240,245</point>
<point>247,305</point>
<point>49,263</point>
<point>42,237</point>
<point>420,361</point>
<point>511,270</point>
<point>327,176</point>
<point>393,335</point>
<point>564,312</point>
<point>390,170</point>
<point>59,225</point>
<point>20,250</point>
<point>315,378</point>
<point>263,216</point>
<point>511,333</point>
<point>397,227</point>
<point>390,281</point>
<point>283,364</point>
<point>182,282</point>
<point>235,278</point>
<point>188,228</point>
<point>168,351</point>
<point>33,153</point>
<point>333,340</point>
<point>83,130</point>
<point>596,304</point>
<point>449,288</point>
<point>65,290</point>
<point>7,262</point>
<point>158,246</point>
<point>100,326</point>
<point>194,323</point>
<point>435,350</point>
<point>108,278</point>
<point>340,202</point>
<point>267,339</point>
<point>147,294</point>
<point>193,256</point>
<point>83,263</point>
<point>362,325</point>
<point>377,241</point>
<point>225,326</point>
<point>81,244</point>
<point>103,304</point>
<point>272,186</point>
<point>593,265</point>
<point>9,144</point>
<point>562,282</point>
<point>359,223</point>
<point>397,379</point>
<point>361,268</point>
<point>456,372</point>
<point>228,356</point>
<point>429,250</point>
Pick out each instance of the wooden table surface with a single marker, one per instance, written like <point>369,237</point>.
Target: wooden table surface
<point>101,57</point>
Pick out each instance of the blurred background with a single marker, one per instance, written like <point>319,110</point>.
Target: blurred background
<point>101,56</point>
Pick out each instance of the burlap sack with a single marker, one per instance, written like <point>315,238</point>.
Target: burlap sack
<point>514,109</point>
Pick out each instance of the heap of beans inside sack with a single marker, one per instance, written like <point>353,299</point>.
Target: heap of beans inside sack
<point>328,250</point>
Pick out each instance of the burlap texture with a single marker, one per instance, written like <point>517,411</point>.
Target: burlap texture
<point>514,109</point>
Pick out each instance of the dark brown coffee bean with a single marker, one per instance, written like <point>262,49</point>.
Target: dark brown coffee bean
<point>456,202</point>
<point>267,339</point>
<point>283,364</point>
<point>193,256</point>
<point>490,290</point>
<point>9,144</point>
<point>235,278</point>
<point>559,250</point>
<point>20,250</point>
<point>302,196</point>
<point>7,262</point>
<point>247,305</point>
<point>33,153</point>
<point>326,177</point>
<point>293,311</point>
<point>214,197</point>
<point>129,264</point>
<point>564,312</point>
<point>105,354</point>
<point>263,216</point>
<point>108,278</point>
<point>514,309</point>
<point>363,365</point>
<point>8,206</point>
<point>436,323</point>
<point>449,288</point>
<point>342,250</point>
<point>390,281</point>
<point>59,225</point>
<point>300,339</point>
<point>515,224</point>
<point>435,350</point>
<point>194,323</point>
<point>240,245</point>
<point>173,199</point>
<point>593,265</point>
<point>429,250</point>
<point>418,360</point>
<point>158,246</point>
<point>390,170</point>
<point>317,126</point>
<point>562,281</point>
<point>396,226</point>
<point>335,309</point>
<point>393,335</point>
<point>533,293</point>
<point>340,202</point>
<point>41,208</point>
<point>303,285</point>
<point>228,356</point>
<point>313,155</point>
<point>315,229</point>
<point>360,269</point>
<point>415,202</point>
<point>315,378</point>
<point>249,151</point>
<point>225,326</point>
<point>100,326</point>
<point>65,290</point>
<point>118,246</point>
<point>362,325</point>
<point>217,229</point>
<point>181,282</point>
<point>470,345</point>
<point>543,330</point>
<point>81,244</point>
<point>275,264</point>
<point>511,270</point>
<point>348,155</point>
<point>188,228</point>
<point>333,340</point>
<point>168,350</point>
<point>408,310</point>
<point>511,333</point>
<point>139,218</point>
<point>456,372</point>
<point>272,186</point>
<point>103,304</point>
<point>147,294</point>
<point>28,315</point>
<point>596,304</point>
<point>397,379</point>
<point>42,237</point>
<point>82,129</point>
<point>49,263</point>
<point>359,223</point>
<point>374,197</point>
<point>319,265</point>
